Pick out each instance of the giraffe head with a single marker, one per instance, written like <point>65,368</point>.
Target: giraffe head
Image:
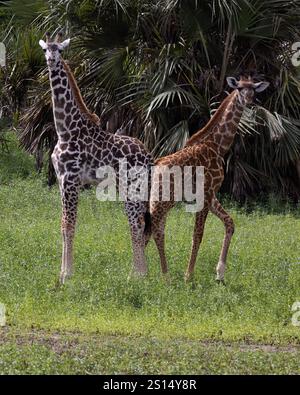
<point>247,88</point>
<point>53,49</point>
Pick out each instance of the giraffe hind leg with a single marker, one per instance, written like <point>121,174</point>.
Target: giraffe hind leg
<point>197,238</point>
<point>136,217</point>
<point>217,209</point>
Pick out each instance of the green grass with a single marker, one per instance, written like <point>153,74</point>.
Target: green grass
<point>262,283</point>
<point>14,164</point>
<point>65,354</point>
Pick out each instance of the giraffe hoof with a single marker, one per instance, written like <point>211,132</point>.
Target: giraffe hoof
<point>62,279</point>
<point>134,275</point>
<point>222,282</point>
<point>57,284</point>
<point>188,278</point>
<point>167,278</point>
<point>61,282</point>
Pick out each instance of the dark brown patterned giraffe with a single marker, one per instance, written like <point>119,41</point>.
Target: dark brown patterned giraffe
<point>206,148</point>
<point>82,148</point>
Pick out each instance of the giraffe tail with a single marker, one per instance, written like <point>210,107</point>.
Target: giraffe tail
<point>147,217</point>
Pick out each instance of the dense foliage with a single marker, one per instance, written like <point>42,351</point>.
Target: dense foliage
<point>157,70</point>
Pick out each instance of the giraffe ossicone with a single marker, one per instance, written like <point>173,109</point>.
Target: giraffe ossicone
<point>82,148</point>
<point>206,148</point>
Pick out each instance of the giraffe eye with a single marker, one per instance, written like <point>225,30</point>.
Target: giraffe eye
<point>44,50</point>
<point>60,50</point>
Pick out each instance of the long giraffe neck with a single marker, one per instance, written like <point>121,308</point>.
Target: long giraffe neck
<point>223,135</point>
<point>222,127</point>
<point>63,101</point>
<point>68,105</point>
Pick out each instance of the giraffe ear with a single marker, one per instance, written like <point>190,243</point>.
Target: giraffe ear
<point>65,43</point>
<point>232,82</point>
<point>43,44</point>
<point>261,86</point>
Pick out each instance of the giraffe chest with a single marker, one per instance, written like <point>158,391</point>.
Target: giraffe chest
<point>68,158</point>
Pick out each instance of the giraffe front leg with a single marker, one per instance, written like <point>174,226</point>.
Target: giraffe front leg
<point>69,213</point>
<point>158,226</point>
<point>217,209</point>
<point>67,230</point>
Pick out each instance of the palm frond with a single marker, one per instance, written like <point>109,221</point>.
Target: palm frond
<point>285,135</point>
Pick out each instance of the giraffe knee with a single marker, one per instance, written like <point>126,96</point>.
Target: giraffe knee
<point>68,224</point>
<point>158,229</point>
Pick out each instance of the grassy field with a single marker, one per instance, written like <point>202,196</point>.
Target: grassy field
<point>100,322</point>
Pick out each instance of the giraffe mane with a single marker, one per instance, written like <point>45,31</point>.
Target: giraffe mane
<point>215,119</point>
<point>77,95</point>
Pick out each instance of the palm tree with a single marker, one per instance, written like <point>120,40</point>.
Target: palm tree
<point>23,60</point>
<point>156,70</point>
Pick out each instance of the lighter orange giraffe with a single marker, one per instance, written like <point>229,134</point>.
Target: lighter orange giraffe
<point>206,148</point>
